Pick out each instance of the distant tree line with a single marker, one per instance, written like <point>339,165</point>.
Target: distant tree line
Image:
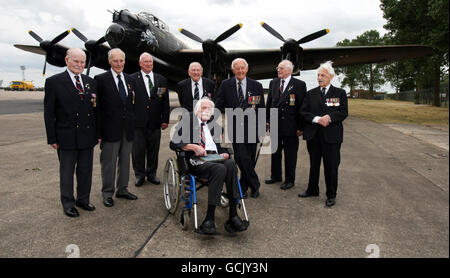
<point>424,22</point>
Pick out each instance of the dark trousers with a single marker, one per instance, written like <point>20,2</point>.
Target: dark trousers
<point>79,162</point>
<point>290,146</point>
<point>245,155</point>
<point>145,147</point>
<point>318,148</point>
<point>217,174</point>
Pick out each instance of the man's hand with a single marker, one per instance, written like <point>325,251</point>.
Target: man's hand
<point>199,151</point>
<point>324,121</point>
<point>55,146</point>
<point>164,126</point>
<point>99,141</point>
<point>299,133</point>
<point>225,155</point>
<point>267,127</point>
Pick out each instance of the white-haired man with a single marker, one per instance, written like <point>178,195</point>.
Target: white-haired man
<point>201,143</point>
<point>286,94</point>
<point>195,87</point>
<point>71,127</point>
<point>152,114</point>
<point>116,97</point>
<point>323,110</point>
<point>243,92</point>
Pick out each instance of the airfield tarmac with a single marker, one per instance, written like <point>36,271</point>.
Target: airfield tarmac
<point>393,201</point>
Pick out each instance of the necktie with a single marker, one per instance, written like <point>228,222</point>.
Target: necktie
<point>282,86</point>
<point>324,91</point>
<point>150,85</point>
<point>79,87</point>
<point>196,92</point>
<point>241,95</point>
<point>122,92</point>
<point>202,136</point>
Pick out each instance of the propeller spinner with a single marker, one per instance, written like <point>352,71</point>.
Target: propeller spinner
<point>48,46</point>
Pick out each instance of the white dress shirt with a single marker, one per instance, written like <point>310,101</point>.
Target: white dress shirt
<point>316,118</point>
<point>243,86</point>
<point>286,82</point>
<point>74,81</point>
<point>146,80</point>
<point>209,141</point>
<point>117,80</point>
<point>200,88</point>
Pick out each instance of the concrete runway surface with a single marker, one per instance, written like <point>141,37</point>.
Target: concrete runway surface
<point>393,201</point>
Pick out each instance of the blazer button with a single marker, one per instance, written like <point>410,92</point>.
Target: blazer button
<point>282,118</point>
<point>78,126</point>
<point>78,114</point>
<point>89,115</point>
<point>87,126</point>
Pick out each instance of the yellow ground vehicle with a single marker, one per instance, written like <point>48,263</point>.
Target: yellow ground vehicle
<point>22,86</point>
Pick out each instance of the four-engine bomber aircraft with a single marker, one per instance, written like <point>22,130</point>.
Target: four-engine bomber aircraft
<point>144,32</point>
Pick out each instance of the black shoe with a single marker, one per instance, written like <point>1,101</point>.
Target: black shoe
<point>306,194</point>
<point>287,185</point>
<point>88,206</point>
<point>153,179</point>
<point>330,202</point>
<point>139,182</point>
<point>272,181</point>
<point>254,194</point>
<point>236,224</point>
<point>108,202</point>
<point>207,228</point>
<point>72,212</point>
<point>126,195</point>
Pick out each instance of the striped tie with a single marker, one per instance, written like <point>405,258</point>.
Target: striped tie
<point>196,92</point>
<point>202,136</point>
<point>282,86</point>
<point>79,87</point>
<point>241,95</point>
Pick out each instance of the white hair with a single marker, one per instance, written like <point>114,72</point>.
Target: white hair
<point>195,64</point>
<point>328,66</point>
<point>74,51</point>
<point>198,105</point>
<point>145,54</point>
<point>115,50</point>
<point>238,60</point>
<point>289,65</point>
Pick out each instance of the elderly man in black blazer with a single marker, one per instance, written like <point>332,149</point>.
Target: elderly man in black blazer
<point>243,92</point>
<point>200,142</point>
<point>324,109</point>
<point>116,99</point>
<point>152,114</point>
<point>194,88</point>
<point>286,93</point>
<point>70,123</point>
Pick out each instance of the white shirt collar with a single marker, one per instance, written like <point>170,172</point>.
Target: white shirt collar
<point>72,77</point>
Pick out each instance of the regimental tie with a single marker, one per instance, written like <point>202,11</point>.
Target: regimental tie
<point>122,92</point>
<point>281,87</point>
<point>79,87</point>
<point>202,136</point>
<point>324,91</point>
<point>196,92</point>
<point>241,95</point>
<point>150,84</point>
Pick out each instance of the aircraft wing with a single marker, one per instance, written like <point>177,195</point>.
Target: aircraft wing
<point>262,62</point>
<point>31,48</point>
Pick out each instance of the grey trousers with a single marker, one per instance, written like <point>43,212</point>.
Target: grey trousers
<point>115,155</point>
<point>145,147</point>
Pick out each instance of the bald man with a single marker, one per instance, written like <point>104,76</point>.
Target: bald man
<point>286,94</point>
<point>152,114</point>
<point>70,123</point>
<point>116,97</point>
<point>195,87</point>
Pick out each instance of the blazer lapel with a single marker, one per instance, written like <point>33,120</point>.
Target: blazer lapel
<point>115,91</point>
<point>72,91</point>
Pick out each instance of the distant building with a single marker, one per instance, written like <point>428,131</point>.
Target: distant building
<point>365,94</point>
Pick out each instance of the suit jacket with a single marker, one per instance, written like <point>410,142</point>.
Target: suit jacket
<point>115,116</point>
<point>227,97</point>
<point>194,136</point>
<point>333,104</point>
<point>185,93</point>
<point>70,121</point>
<point>151,112</point>
<point>288,104</point>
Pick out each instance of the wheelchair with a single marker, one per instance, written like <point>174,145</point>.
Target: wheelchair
<point>180,190</point>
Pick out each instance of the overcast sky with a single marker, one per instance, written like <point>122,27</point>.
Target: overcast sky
<point>206,18</point>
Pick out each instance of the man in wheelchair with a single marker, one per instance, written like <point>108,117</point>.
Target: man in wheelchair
<point>206,159</point>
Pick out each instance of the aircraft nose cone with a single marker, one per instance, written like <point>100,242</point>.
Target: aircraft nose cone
<point>115,34</point>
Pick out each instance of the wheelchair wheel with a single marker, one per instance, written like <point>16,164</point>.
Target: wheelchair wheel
<point>171,180</point>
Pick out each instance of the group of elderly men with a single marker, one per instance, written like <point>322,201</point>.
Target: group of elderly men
<point>125,114</point>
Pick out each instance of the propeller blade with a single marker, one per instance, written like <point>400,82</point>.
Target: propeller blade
<point>100,41</point>
<point>89,65</point>
<point>35,36</point>
<point>190,35</point>
<point>228,33</point>
<point>313,36</point>
<point>79,35</point>
<point>272,31</point>
<point>60,37</point>
<point>45,65</point>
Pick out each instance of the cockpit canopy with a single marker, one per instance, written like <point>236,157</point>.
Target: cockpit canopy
<point>154,20</point>
<point>141,20</point>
